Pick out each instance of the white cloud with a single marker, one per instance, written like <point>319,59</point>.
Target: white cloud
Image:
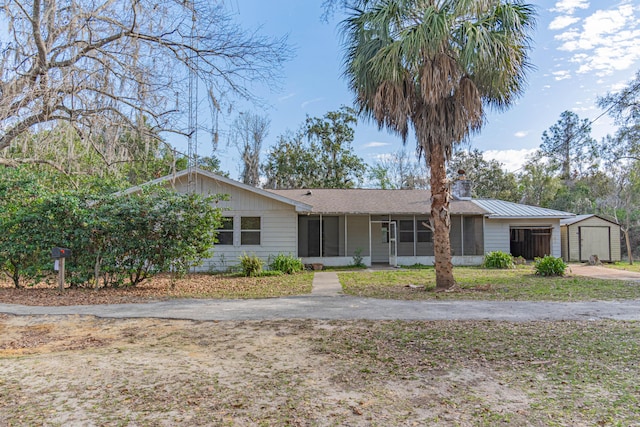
<point>582,109</point>
<point>287,96</point>
<point>561,75</point>
<point>607,41</point>
<point>617,87</point>
<point>374,144</point>
<point>569,6</point>
<point>521,134</point>
<point>305,104</point>
<point>512,160</point>
<point>384,157</point>
<point>560,22</point>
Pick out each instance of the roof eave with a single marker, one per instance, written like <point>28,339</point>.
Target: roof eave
<point>300,207</point>
<point>388,213</point>
<point>528,217</point>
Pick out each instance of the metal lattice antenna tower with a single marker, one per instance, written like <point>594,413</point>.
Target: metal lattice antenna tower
<point>192,151</point>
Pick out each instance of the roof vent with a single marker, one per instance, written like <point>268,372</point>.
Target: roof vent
<point>308,192</point>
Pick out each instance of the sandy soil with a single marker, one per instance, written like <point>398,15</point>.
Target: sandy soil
<point>601,272</point>
<point>73,370</point>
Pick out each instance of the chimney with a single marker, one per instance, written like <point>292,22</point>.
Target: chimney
<point>461,188</point>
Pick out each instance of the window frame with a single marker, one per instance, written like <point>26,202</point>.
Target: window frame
<point>423,234</point>
<point>246,232</point>
<point>225,231</point>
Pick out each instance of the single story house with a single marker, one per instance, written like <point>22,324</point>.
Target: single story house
<point>586,235</point>
<point>390,227</point>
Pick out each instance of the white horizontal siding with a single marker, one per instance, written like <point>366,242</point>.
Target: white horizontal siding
<point>278,223</point>
<point>430,260</point>
<point>278,234</point>
<point>402,260</point>
<point>496,235</point>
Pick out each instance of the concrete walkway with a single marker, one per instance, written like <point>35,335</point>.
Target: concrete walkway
<point>326,284</point>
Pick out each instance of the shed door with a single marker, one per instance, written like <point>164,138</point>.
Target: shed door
<point>594,241</point>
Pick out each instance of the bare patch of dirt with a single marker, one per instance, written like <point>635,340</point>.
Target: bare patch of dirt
<point>159,288</point>
<point>63,370</point>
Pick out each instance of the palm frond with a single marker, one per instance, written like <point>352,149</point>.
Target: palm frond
<point>435,64</point>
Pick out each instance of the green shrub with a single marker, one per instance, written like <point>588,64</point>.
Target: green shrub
<point>357,258</point>
<point>251,265</point>
<point>550,266</point>
<point>498,259</point>
<point>287,264</point>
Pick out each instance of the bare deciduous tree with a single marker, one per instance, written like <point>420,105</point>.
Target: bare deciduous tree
<point>248,131</point>
<point>121,63</point>
<point>400,170</point>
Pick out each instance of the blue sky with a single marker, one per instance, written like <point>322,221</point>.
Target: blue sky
<point>581,50</point>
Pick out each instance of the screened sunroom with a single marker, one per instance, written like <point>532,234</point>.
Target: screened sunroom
<point>384,239</point>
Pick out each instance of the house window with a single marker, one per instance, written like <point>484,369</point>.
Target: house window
<point>405,231</point>
<point>225,232</point>
<point>250,230</point>
<point>423,231</point>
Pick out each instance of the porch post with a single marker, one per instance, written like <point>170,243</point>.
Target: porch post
<point>346,249</point>
<point>484,236</point>
<point>462,234</point>
<point>297,235</point>
<point>415,237</point>
<point>370,254</point>
<point>320,238</point>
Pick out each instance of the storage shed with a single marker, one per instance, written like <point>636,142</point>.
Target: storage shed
<point>587,235</point>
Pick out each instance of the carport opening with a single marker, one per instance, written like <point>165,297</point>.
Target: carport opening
<point>530,242</point>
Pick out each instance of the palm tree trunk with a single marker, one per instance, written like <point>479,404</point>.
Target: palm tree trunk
<point>440,219</point>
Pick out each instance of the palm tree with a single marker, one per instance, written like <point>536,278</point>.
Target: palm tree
<point>434,65</point>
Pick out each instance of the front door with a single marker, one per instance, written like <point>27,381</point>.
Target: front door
<point>384,246</point>
<point>393,244</point>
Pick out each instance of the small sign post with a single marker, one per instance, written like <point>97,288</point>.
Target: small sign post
<point>59,255</point>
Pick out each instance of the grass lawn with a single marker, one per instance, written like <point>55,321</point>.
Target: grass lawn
<point>484,284</point>
<point>625,266</point>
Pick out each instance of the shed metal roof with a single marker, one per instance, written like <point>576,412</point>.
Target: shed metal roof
<point>503,209</point>
<point>578,218</point>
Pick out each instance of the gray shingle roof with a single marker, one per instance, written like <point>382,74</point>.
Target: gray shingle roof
<point>503,209</point>
<point>373,201</point>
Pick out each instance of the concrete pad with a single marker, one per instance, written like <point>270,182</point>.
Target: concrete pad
<point>601,272</point>
<point>326,283</point>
